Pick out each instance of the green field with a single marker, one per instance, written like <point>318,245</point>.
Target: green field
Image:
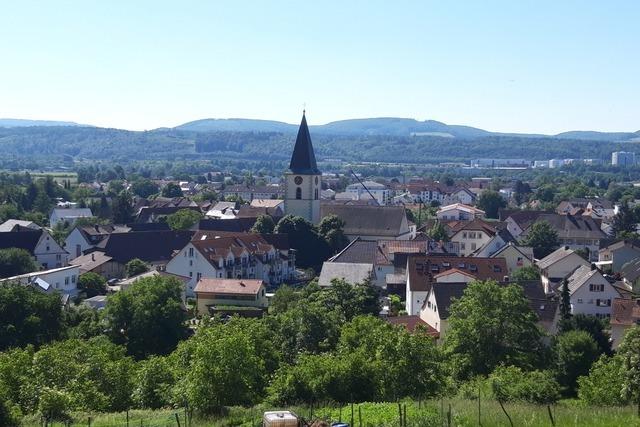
<point>58,177</point>
<point>433,413</point>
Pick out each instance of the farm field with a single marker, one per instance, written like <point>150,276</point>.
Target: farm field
<point>425,414</point>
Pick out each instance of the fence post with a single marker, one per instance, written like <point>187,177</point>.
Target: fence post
<point>89,421</point>
<point>177,419</point>
<point>553,422</point>
<point>127,418</point>
<point>505,412</point>
<point>449,416</point>
<point>400,412</point>
<point>479,410</point>
<point>351,425</point>
<point>359,417</point>
<point>405,416</point>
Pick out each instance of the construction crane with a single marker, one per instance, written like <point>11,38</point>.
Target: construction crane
<point>363,186</point>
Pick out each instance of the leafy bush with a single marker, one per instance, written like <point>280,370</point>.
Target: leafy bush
<point>510,383</point>
<point>603,385</point>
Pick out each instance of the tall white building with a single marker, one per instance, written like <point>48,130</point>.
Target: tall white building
<point>303,181</point>
<point>623,158</point>
<point>379,191</point>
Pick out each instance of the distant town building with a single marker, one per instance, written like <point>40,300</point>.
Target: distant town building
<point>380,192</point>
<point>623,158</point>
<point>556,163</point>
<point>500,163</point>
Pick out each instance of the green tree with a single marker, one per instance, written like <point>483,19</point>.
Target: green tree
<point>153,382</point>
<point>184,219</point>
<point>92,284</point>
<point>543,238</point>
<point>264,225</point>
<point>595,327</point>
<point>331,227</point>
<point>490,202</point>
<point>171,190</point>
<point>603,385</point>
<point>15,261</point>
<point>565,300</point>
<point>144,188</point>
<point>491,325</point>
<point>574,352</point>
<point>527,273</point>
<point>438,232</point>
<point>135,267</point>
<point>122,208</point>
<point>147,317</point>
<point>312,248</point>
<point>510,383</point>
<point>624,222</point>
<point>629,351</point>
<point>28,316</point>
<point>284,299</point>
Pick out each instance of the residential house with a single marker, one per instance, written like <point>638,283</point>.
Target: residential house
<point>576,232</point>
<point>268,203</point>
<point>153,247</point>
<point>413,324</point>
<point>18,225</point>
<point>87,237</point>
<point>380,192</point>
<point>625,313</point>
<point>126,283</point>
<point>99,263</point>
<point>234,256</point>
<point>558,265</point>
<point>353,273</point>
<point>424,271</point>
<point>98,302</point>
<point>435,310</point>
<point>475,234</point>
<point>233,225</point>
<point>617,254</point>
<point>68,216</point>
<point>630,273</point>
<point>591,293</point>
<point>39,243</point>
<point>248,193</point>
<point>223,210</point>
<point>515,256</point>
<point>459,212</point>
<point>212,293</point>
<point>459,195</point>
<point>63,280</point>
<point>372,222</point>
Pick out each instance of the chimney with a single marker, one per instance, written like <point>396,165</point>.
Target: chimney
<point>93,257</point>
<point>593,267</point>
<point>566,248</point>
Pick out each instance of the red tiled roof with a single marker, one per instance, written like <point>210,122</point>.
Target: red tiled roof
<point>228,286</point>
<point>411,322</point>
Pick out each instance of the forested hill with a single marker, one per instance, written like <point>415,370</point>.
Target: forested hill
<point>49,146</point>
<point>390,126</point>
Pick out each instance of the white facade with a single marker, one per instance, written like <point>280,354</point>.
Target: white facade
<point>459,212</point>
<point>76,244</point>
<point>470,240</point>
<point>379,191</point>
<point>623,158</point>
<point>49,253</point>
<point>189,262</point>
<point>63,280</point>
<point>68,215</point>
<point>594,297</point>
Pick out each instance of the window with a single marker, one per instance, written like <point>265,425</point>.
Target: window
<point>473,246</point>
<point>464,234</point>
<point>596,287</point>
<point>48,248</point>
<point>191,252</point>
<point>462,246</point>
<point>191,274</point>
<point>603,302</point>
<point>190,262</point>
<point>298,193</point>
<point>73,279</point>
<point>58,257</point>
<point>579,300</point>
<point>66,280</point>
<point>315,194</point>
<point>198,276</point>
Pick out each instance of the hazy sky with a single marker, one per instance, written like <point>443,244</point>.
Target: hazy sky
<point>526,66</point>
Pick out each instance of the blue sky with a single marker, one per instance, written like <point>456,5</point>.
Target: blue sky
<point>525,66</point>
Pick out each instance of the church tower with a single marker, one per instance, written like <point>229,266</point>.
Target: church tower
<point>303,180</point>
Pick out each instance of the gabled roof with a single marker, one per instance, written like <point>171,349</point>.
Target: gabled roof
<point>631,270</point>
<point>526,251</point>
<point>461,207</point>
<point>631,244</point>
<point>229,286</point>
<point>453,271</point>
<point>27,240</point>
<point>625,312</point>
<point>422,269</point>
<point>350,272</point>
<point>556,256</point>
<point>580,276</point>
<point>90,261</point>
<point>16,225</point>
<point>236,225</point>
<point>216,246</point>
<point>72,212</point>
<point>411,323</point>
<point>303,159</point>
<point>368,220</point>
<point>149,246</point>
<point>444,294</point>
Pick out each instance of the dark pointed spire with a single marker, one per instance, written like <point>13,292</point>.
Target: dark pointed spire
<point>303,160</point>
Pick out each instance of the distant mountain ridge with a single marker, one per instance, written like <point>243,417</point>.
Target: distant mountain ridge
<point>392,126</point>
<point>16,123</point>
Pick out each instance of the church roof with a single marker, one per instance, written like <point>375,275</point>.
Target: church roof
<point>303,160</point>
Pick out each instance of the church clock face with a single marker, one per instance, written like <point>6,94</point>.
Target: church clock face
<point>298,180</point>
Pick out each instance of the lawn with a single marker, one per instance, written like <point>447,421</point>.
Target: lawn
<point>432,413</point>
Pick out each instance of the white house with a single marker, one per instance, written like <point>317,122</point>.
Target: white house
<point>515,256</point>
<point>591,293</point>
<point>353,273</point>
<point>17,224</point>
<point>472,235</point>
<point>459,212</point>
<point>558,265</point>
<point>63,280</point>
<point>83,238</point>
<point>625,313</point>
<point>460,195</point>
<point>380,192</point>
<point>212,293</point>
<point>236,256</point>
<point>39,244</point>
<point>68,215</point>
